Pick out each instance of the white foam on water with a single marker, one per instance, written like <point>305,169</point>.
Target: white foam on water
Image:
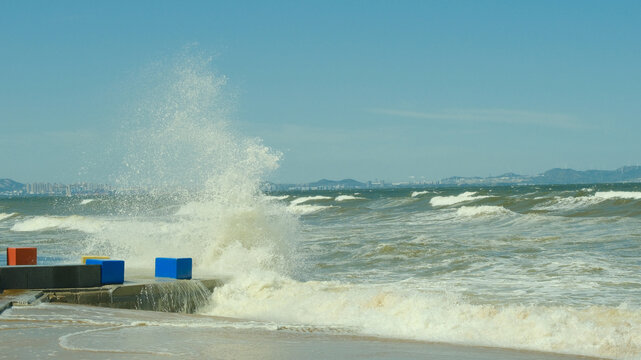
<point>4,216</point>
<point>79,223</point>
<point>86,201</point>
<point>391,310</point>
<point>305,199</point>
<point>483,210</point>
<point>635,195</point>
<point>282,197</point>
<point>340,198</point>
<point>560,203</point>
<point>306,209</point>
<point>455,199</point>
<point>419,193</point>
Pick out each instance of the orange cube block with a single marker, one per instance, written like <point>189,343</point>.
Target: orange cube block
<point>22,256</point>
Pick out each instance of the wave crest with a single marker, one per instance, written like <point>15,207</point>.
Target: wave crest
<point>6,216</point>
<point>483,210</point>
<point>455,199</point>
<point>74,222</point>
<point>340,198</point>
<point>392,311</point>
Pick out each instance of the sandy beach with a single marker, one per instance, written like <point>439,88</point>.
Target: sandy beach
<point>81,332</point>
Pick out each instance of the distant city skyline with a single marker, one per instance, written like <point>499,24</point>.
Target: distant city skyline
<point>343,89</point>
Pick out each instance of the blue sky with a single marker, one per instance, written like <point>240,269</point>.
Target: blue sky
<point>344,89</point>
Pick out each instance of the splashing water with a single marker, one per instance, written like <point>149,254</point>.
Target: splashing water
<point>203,179</point>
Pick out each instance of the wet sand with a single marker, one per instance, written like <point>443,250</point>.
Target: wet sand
<point>81,332</point>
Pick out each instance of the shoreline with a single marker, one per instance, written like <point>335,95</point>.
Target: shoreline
<point>82,331</point>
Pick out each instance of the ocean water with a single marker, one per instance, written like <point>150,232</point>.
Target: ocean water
<point>545,268</point>
<point>550,268</point>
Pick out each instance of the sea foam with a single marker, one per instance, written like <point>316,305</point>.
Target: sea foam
<point>563,203</point>
<point>305,199</point>
<point>635,195</point>
<point>419,193</point>
<point>74,222</point>
<point>483,210</point>
<point>391,310</point>
<point>6,215</point>
<point>451,200</point>
<point>340,198</point>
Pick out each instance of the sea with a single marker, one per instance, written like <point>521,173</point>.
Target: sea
<point>545,268</point>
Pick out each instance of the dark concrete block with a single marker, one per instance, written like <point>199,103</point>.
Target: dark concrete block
<point>49,277</point>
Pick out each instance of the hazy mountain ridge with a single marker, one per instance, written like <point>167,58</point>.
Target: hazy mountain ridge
<point>552,176</point>
<point>10,185</point>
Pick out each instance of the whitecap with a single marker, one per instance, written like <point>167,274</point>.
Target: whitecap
<point>451,200</point>
<point>305,199</point>
<point>483,210</point>
<point>74,222</point>
<point>419,193</point>
<point>282,197</point>
<point>348,197</point>
<point>306,209</point>
<point>634,195</point>
<point>6,216</point>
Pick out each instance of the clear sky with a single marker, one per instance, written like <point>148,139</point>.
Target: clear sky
<point>344,89</point>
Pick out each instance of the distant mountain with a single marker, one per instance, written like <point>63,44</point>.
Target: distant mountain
<point>569,176</point>
<point>554,176</point>
<point>10,185</point>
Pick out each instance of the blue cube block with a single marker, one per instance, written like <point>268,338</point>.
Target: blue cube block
<point>175,268</point>
<point>111,271</point>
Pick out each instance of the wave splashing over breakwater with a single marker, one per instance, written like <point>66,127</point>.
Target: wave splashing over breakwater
<point>192,184</point>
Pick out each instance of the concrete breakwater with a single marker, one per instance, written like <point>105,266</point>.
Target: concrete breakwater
<point>184,296</point>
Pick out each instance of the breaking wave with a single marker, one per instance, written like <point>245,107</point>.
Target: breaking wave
<point>4,216</point>
<point>79,223</point>
<point>635,195</point>
<point>483,210</point>
<point>561,203</point>
<point>340,198</point>
<point>391,310</point>
<point>305,199</point>
<point>455,199</point>
<point>179,147</point>
<point>419,193</point>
